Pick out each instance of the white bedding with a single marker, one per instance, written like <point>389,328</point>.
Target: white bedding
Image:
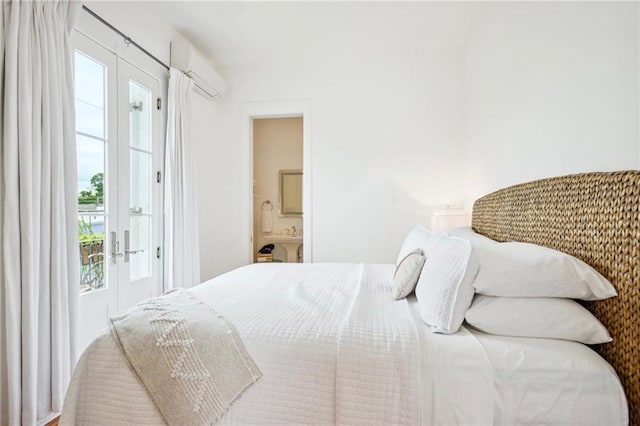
<point>503,380</point>
<point>335,349</point>
<point>311,331</point>
<point>548,381</point>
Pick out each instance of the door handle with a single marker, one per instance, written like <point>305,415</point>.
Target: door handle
<point>134,251</point>
<point>114,248</point>
<point>128,252</point>
<point>126,246</point>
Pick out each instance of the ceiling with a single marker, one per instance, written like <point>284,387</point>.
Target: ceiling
<point>248,33</point>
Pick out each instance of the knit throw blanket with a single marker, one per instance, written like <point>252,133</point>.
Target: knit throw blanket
<point>188,357</point>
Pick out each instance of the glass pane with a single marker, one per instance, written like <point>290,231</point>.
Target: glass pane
<point>91,250</point>
<point>90,173</point>
<point>140,111</point>
<point>89,78</point>
<point>140,193</point>
<point>140,239</point>
<point>89,119</point>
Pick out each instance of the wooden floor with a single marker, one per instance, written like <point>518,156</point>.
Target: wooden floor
<point>54,422</point>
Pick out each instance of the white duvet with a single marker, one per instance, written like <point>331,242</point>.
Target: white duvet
<point>334,348</point>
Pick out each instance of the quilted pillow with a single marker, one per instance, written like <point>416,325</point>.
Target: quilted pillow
<point>407,273</point>
<point>418,237</point>
<point>444,289</point>
<point>552,318</point>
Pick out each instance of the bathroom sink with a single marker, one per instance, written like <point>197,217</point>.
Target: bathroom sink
<point>289,243</point>
<point>282,239</point>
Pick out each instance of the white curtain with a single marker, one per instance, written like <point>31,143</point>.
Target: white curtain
<point>39,272</point>
<point>182,252</point>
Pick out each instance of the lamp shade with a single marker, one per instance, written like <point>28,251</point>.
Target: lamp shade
<point>446,219</point>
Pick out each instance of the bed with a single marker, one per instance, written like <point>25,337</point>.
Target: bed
<point>334,348</point>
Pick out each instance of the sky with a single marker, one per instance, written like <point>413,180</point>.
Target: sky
<point>90,118</point>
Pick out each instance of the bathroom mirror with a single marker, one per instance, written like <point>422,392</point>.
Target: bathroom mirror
<point>290,193</point>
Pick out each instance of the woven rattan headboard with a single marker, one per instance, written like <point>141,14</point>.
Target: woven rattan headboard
<point>594,217</point>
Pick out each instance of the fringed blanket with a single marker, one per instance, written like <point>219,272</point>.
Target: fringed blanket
<point>188,357</point>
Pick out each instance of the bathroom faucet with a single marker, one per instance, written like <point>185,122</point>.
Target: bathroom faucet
<point>293,231</point>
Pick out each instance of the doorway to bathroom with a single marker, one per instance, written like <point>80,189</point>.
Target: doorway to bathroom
<point>258,110</point>
<point>278,171</point>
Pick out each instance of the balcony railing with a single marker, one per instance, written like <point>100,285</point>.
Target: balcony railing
<point>91,265</point>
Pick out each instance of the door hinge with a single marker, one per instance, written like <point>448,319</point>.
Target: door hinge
<point>158,252</point>
<point>159,177</point>
<point>159,103</point>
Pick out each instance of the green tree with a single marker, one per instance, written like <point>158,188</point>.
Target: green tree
<point>86,197</point>
<point>97,183</point>
<point>95,195</point>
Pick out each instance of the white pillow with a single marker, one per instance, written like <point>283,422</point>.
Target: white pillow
<point>444,289</point>
<point>418,237</point>
<point>407,273</point>
<point>517,269</point>
<point>468,233</point>
<point>552,318</point>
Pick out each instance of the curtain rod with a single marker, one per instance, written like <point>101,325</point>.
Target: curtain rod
<point>127,39</point>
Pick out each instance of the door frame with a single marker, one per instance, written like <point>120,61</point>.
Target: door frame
<point>277,109</point>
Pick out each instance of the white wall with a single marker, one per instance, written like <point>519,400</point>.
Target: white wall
<point>216,197</point>
<point>155,37</point>
<point>551,89</point>
<point>403,122</point>
<point>385,128</point>
<point>537,89</point>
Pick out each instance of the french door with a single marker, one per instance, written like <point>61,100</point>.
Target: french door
<point>119,191</point>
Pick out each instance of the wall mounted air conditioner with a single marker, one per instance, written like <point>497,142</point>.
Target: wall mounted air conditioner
<point>208,82</point>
